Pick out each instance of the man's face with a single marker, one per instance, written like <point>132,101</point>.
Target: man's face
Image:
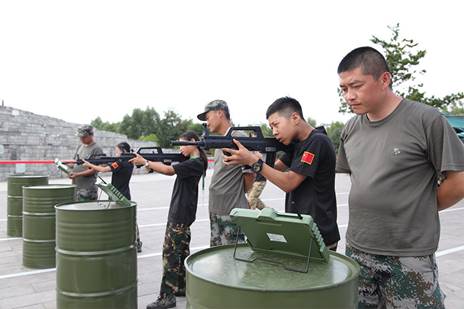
<point>283,128</point>
<point>214,120</point>
<point>87,140</point>
<point>363,93</point>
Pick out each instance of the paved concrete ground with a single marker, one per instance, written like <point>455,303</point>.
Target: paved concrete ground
<point>25,288</point>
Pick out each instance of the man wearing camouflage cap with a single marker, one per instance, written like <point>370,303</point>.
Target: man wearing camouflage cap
<point>84,178</point>
<point>229,183</point>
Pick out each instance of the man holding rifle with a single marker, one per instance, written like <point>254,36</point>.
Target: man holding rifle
<point>228,184</point>
<point>82,177</point>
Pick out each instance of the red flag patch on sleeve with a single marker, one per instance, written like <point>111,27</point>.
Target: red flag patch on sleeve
<point>307,157</point>
<point>115,165</point>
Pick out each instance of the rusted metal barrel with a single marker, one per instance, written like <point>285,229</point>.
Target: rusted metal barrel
<point>96,256</point>
<point>15,200</point>
<point>39,222</point>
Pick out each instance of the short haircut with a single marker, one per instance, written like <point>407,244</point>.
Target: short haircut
<point>285,106</point>
<point>370,60</point>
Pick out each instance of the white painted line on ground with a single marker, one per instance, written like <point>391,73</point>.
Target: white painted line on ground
<point>36,272</point>
<point>27,273</point>
<point>452,209</point>
<point>449,251</point>
<point>203,205</point>
<point>10,238</point>
<point>163,224</point>
<point>144,256</point>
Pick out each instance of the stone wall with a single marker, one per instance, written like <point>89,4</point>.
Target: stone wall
<point>28,136</point>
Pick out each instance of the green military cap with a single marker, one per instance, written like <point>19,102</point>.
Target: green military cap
<point>85,130</point>
<point>214,106</point>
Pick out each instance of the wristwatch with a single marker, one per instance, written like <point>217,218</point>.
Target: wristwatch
<point>257,166</point>
<point>146,164</point>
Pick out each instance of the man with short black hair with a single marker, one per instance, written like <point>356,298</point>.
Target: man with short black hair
<point>396,151</point>
<point>306,174</point>
<point>82,177</point>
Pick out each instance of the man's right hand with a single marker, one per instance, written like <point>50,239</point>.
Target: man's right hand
<point>73,175</point>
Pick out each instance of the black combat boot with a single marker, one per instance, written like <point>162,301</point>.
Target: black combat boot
<point>163,302</point>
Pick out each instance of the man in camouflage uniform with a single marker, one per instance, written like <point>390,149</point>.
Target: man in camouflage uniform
<point>229,183</point>
<point>82,177</point>
<point>256,190</point>
<point>395,151</point>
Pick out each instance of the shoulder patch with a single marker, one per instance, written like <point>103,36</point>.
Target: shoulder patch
<point>115,165</point>
<point>308,157</point>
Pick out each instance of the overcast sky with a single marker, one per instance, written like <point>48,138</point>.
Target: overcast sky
<point>77,60</point>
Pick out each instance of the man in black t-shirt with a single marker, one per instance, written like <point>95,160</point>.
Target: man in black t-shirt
<point>307,174</point>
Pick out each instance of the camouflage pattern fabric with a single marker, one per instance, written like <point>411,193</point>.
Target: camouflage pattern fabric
<point>223,231</point>
<point>253,196</point>
<point>84,195</point>
<point>397,282</point>
<point>176,249</point>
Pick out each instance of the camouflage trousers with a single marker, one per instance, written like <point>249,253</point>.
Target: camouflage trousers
<point>84,195</point>
<point>397,282</point>
<point>176,249</point>
<point>253,196</point>
<point>223,231</point>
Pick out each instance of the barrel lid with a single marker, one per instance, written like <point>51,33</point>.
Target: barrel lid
<point>28,176</point>
<point>269,231</point>
<point>91,206</point>
<point>218,266</point>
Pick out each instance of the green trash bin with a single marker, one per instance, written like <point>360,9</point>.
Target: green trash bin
<point>39,223</point>
<point>15,200</point>
<point>284,264</point>
<point>96,264</point>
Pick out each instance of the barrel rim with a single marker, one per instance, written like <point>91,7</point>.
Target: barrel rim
<point>57,206</point>
<point>354,275</point>
<point>49,186</point>
<point>22,176</point>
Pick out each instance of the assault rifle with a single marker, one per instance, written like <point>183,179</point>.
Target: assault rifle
<point>155,154</point>
<point>266,145</point>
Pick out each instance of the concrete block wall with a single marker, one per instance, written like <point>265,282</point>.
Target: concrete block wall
<point>28,136</point>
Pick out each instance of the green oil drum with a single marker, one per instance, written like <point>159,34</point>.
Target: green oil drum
<point>96,256</point>
<point>15,200</point>
<point>39,222</point>
<point>271,270</point>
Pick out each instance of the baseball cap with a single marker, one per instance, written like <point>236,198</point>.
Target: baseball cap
<point>213,106</point>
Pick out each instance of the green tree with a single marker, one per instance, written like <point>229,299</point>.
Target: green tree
<point>267,131</point>
<point>99,124</point>
<point>150,138</point>
<point>147,125</point>
<point>334,131</point>
<point>403,58</point>
<point>140,123</point>
<point>171,127</point>
<point>312,121</point>
<point>196,127</point>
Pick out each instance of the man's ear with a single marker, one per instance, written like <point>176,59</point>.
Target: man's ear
<point>386,79</point>
<point>295,117</point>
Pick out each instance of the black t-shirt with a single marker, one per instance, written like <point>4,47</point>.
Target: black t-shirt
<point>315,159</point>
<point>122,173</point>
<point>184,198</point>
